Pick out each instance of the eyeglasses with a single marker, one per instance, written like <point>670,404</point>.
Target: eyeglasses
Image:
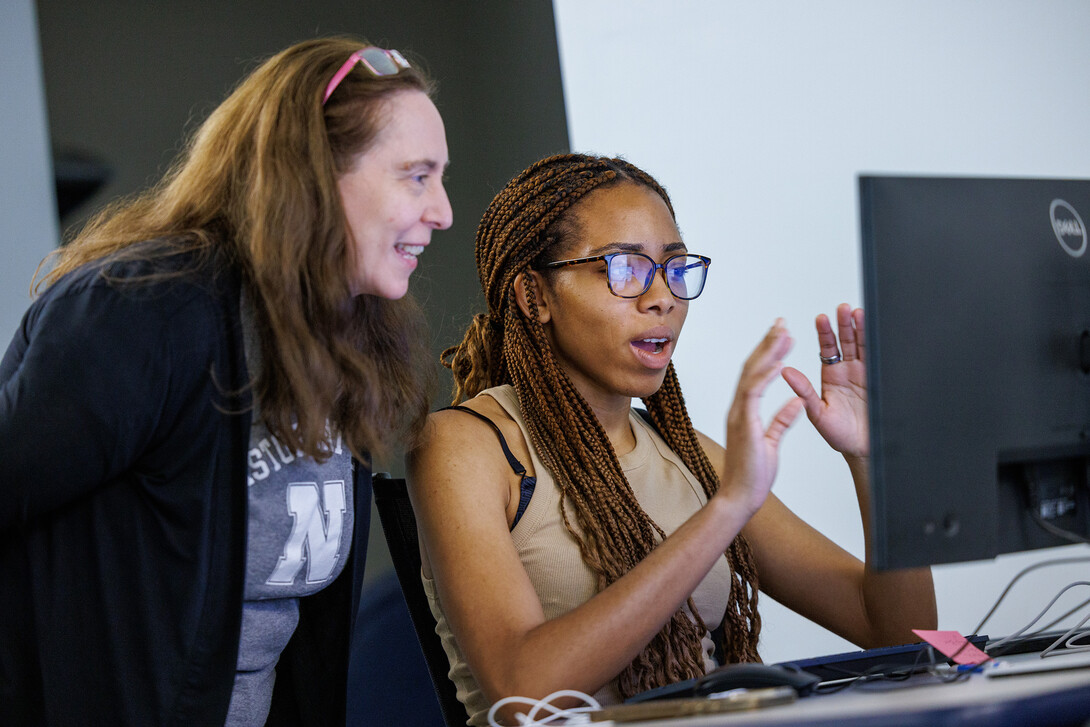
<point>630,274</point>
<point>379,61</point>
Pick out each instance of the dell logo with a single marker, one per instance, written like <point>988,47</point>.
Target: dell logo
<point>1068,226</point>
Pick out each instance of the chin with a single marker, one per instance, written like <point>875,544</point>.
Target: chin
<point>388,290</point>
<point>647,387</point>
<point>396,295</point>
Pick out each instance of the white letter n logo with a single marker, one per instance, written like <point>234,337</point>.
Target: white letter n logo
<point>315,539</point>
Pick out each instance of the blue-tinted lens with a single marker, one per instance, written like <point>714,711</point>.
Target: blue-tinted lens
<point>685,275</point>
<point>629,274</point>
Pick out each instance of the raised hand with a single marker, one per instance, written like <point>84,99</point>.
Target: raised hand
<point>839,413</point>
<point>752,449</point>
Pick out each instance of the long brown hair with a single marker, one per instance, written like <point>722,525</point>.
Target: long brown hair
<point>532,218</point>
<point>257,185</point>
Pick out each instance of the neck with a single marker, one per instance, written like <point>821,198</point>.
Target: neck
<point>612,414</point>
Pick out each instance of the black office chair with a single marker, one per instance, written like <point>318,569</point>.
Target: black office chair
<point>399,526</point>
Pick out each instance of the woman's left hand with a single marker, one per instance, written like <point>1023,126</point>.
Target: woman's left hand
<point>840,412</point>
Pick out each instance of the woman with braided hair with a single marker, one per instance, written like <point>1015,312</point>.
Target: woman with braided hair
<point>592,548</point>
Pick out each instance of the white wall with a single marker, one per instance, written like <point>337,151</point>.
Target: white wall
<point>757,117</point>
<point>28,211</point>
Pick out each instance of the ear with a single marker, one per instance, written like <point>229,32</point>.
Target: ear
<point>532,278</point>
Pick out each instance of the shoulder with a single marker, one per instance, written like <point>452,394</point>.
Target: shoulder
<point>105,315</point>
<point>713,449</point>
<point>132,290</point>
<point>467,434</point>
<point>466,449</point>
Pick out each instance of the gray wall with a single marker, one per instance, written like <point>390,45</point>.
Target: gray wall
<point>28,220</point>
<point>124,79</point>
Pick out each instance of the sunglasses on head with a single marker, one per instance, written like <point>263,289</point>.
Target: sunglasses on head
<point>378,61</point>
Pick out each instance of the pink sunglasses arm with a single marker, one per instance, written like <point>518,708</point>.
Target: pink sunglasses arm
<point>340,74</point>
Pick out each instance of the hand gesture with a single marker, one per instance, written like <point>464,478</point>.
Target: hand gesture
<point>752,450</point>
<point>840,412</point>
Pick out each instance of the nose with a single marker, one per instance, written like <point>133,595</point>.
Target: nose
<point>438,214</point>
<point>658,296</point>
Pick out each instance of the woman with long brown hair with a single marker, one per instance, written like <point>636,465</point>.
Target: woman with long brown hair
<point>571,543</point>
<point>189,409</point>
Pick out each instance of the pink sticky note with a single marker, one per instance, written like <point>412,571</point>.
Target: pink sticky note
<point>953,645</point>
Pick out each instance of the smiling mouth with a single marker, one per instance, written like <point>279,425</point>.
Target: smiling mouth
<point>407,249</point>
<point>651,345</point>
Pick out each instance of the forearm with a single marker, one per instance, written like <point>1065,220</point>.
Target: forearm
<point>589,646</point>
<point>894,602</point>
<point>897,602</point>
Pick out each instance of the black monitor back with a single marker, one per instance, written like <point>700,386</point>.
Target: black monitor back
<point>977,296</point>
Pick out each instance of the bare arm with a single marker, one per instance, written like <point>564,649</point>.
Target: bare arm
<point>460,486</point>
<point>800,567</point>
<point>459,495</point>
<point>808,573</point>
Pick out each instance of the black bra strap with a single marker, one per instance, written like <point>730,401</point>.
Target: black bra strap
<point>646,416</point>
<point>511,459</point>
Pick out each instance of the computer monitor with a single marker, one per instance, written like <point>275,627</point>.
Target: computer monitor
<point>977,297</point>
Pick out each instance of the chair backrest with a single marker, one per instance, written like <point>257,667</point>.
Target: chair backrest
<point>395,511</point>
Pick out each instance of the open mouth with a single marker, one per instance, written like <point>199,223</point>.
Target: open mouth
<point>651,345</point>
<point>409,250</point>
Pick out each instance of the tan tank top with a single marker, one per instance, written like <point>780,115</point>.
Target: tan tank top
<point>668,493</point>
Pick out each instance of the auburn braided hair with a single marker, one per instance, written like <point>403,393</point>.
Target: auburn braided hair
<point>529,219</point>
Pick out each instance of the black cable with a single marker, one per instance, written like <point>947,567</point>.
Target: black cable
<point>1055,530</point>
<point>890,673</point>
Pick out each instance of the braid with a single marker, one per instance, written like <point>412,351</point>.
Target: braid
<point>469,360</point>
<point>742,621</point>
<point>525,220</point>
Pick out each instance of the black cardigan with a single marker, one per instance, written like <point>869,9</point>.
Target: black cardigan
<point>124,428</point>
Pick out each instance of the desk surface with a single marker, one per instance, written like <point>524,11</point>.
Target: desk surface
<point>1054,699</point>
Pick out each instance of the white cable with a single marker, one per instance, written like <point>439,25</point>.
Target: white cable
<point>1039,616</point>
<point>1024,571</point>
<point>1073,642</point>
<point>1068,641</point>
<point>1059,619</point>
<point>572,715</point>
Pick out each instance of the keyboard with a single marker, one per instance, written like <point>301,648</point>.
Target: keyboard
<point>884,660</point>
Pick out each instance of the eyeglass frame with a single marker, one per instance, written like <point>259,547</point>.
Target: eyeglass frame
<point>394,56</point>
<point>655,267</point>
